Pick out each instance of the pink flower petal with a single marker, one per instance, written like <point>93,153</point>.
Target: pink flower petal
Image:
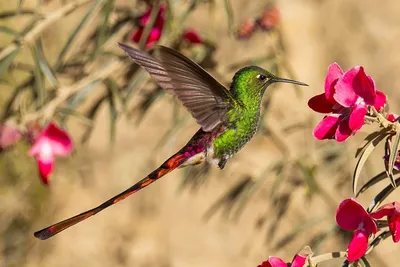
<point>357,116</point>
<point>334,73</point>
<point>357,246</point>
<point>320,104</point>
<point>350,214</point>
<point>380,100</point>
<point>60,141</point>
<point>364,86</point>
<point>276,262</point>
<point>45,167</point>
<point>8,136</point>
<point>345,94</point>
<point>394,227</point>
<point>299,261</point>
<point>326,128</point>
<point>136,35</point>
<point>391,116</point>
<point>343,131</point>
<point>192,36</point>
<point>385,210</point>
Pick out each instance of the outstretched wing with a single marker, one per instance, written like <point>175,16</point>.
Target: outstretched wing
<point>200,93</point>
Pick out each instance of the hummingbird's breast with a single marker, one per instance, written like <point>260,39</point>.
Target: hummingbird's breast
<point>241,127</point>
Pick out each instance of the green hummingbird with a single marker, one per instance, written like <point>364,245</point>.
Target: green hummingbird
<point>228,118</point>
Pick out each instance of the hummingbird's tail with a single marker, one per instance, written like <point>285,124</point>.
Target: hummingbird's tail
<point>192,153</point>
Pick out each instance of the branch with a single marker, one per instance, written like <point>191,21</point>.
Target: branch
<point>47,20</point>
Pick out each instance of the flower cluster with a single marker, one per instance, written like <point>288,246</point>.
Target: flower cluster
<point>346,99</point>
<point>156,30</point>
<point>269,20</point>
<point>189,35</point>
<point>351,216</point>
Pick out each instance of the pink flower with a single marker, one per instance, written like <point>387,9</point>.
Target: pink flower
<point>155,33</point>
<point>298,261</point>
<point>9,135</point>
<point>247,28</point>
<point>192,36</point>
<point>392,211</point>
<point>269,19</point>
<point>347,96</point>
<point>51,142</point>
<point>351,216</point>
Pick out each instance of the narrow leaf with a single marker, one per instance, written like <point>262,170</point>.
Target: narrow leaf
<point>6,61</point>
<point>379,177</point>
<point>366,152</point>
<point>102,31</point>
<point>379,198</point>
<point>91,114</point>
<point>44,65</point>
<point>38,76</point>
<point>382,236</point>
<point>229,15</point>
<point>113,115</point>
<point>75,32</point>
<point>368,139</point>
<point>393,156</point>
<point>9,31</point>
<point>74,101</point>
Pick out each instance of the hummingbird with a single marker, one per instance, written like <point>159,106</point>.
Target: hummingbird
<point>228,118</point>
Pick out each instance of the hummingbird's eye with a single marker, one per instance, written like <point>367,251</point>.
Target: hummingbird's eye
<point>261,77</point>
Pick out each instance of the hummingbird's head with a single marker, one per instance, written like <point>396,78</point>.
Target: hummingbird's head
<point>253,79</point>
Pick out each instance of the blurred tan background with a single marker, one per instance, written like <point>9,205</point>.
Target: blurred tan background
<point>167,225</point>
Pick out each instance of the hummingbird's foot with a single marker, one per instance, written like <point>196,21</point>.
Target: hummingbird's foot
<point>222,163</point>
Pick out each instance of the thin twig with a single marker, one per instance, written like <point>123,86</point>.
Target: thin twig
<point>48,19</point>
<point>64,93</point>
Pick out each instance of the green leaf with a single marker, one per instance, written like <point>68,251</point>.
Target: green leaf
<point>9,31</point>
<point>365,153</point>
<point>113,115</point>
<point>6,61</point>
<point>44,65</point>
<point>382,196</point>
<point>75,32</point>
<point>392,157</point>
<point>102,31</point>
<point>381,237</point>
<point>74,101</point>
<point>92,113</point>
<point>229,15</point>
<point>368,139</point>
<point>38,76</point>
<point>379,177</point>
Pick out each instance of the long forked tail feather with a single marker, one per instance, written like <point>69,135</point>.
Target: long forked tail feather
<point>169,165</point>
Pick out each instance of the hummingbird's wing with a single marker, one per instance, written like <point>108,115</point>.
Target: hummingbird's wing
<point>200,93</point>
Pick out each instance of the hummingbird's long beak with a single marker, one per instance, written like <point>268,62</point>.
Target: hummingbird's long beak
<point>282,80</point>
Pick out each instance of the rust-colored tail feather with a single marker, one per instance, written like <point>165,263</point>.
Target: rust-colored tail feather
<point>168,166</point>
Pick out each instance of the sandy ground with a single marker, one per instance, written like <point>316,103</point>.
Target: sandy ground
<point>165,225</point>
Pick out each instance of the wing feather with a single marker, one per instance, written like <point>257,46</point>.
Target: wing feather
<point>207,100</point>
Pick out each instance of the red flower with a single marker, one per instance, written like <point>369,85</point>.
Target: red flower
<point>155,33</point>
<point>351,216</point>
<point>347,96</point>
<point>392,117</point>
<point>192,36</point>
<point>392,211</point>
<point>51,142</point>
<point>298,261</point>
